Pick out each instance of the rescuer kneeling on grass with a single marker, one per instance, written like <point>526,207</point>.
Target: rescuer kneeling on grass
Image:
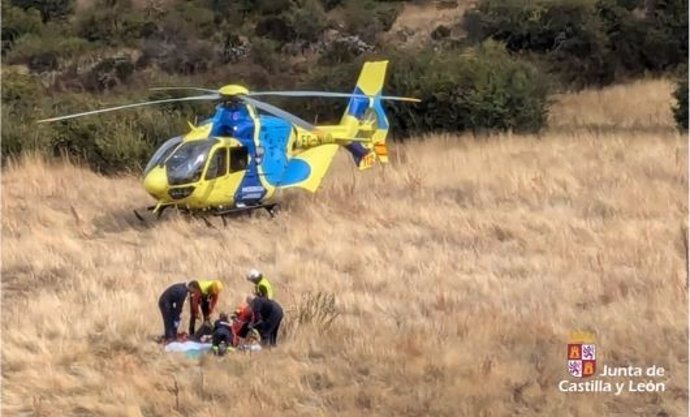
<point>222,335</point>
<point>207,299</point>
<point>267,316</point>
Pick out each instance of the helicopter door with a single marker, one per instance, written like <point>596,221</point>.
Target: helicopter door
<point>250,191</point>
<point>220,179</point>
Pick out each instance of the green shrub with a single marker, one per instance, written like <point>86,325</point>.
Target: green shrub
<point>234,13</point>
<point>307,19</point>
<point>339,52</point>
<point>109,143</point>
<point>21,91</point>
<point>484,89</point>
<point>21,104</point>
<point>49,9</point>
<point>331,4</point>
<point>666,44</point>
<point>566,32</point>
<point>264,53</point>
<point>367,18</point>
<point>31,46</point>
<point>114,23</point>
<point>109,73</point>
<point>21,134</point>
<point>187,57</point>
<point>304,20</point>
<point>587,41</point>
<point>17,23</point>
<point>271,7</point>
<point>276,28</point>
<point>196,17</point>
<point>645,35</point>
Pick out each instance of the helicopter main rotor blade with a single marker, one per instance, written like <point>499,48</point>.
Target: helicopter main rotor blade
<point>207,90</point>
<point>328,94</point>
<point>127,106</point>
<point>269,108</point>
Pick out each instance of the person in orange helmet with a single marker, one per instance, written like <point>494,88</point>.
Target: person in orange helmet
<point>207,299</point>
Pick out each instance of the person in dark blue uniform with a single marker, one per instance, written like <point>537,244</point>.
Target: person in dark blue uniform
<point>171,303</point>
<point>268,315</point>
<point>222,335</point>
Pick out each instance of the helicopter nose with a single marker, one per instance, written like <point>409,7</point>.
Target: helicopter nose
<point>156,182</point>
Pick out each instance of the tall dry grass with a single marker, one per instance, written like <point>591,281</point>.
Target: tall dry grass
<point>458,272</point>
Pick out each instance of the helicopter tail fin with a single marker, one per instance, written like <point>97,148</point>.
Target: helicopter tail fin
<point>365,118</point>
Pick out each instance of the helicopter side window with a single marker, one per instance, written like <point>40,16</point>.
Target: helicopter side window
<point>238,159</point>
<point>218,165</point>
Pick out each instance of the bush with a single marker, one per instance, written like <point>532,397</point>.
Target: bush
<point>114,23</point>
<point>331,4</point>
<point>680,109</point>
<point>343,50</point>
<point>485,89</point>
<point>44,51</point>
<point>669,20</point>
<point>275,28</point>
<point>307,19</point>
<point>367,18</point>
<point>264,53</point>
<point>304,20</point>
<point>179,56</point>
<point>21,93</point>
<point>567,33</point>
<point>109,73</point>
<point>49,9</point>
<point>17,23</point>
<point>21,101</point>
<point>109,143</point>
<point>587,41</point>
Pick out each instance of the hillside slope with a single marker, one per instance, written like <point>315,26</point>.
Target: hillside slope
<point>458,272</point>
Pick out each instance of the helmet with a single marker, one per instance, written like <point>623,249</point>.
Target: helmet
<point>253,274</point>
<point>217,286</point>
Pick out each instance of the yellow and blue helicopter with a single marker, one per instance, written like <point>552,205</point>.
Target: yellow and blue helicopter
<point>238,159</point>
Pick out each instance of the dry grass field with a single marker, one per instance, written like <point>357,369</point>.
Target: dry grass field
<point>458,272</point>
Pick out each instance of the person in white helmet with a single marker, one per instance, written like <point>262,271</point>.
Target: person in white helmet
<point>262,287</point>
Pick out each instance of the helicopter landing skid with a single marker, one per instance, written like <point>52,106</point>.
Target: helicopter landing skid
<point>270,208</point>
<point>150,208</point>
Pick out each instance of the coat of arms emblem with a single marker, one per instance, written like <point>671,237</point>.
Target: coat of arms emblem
<point>582,358</point>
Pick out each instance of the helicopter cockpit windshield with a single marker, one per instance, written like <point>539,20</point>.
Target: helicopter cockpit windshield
<point>162,153</point>
<point>187,163</point>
